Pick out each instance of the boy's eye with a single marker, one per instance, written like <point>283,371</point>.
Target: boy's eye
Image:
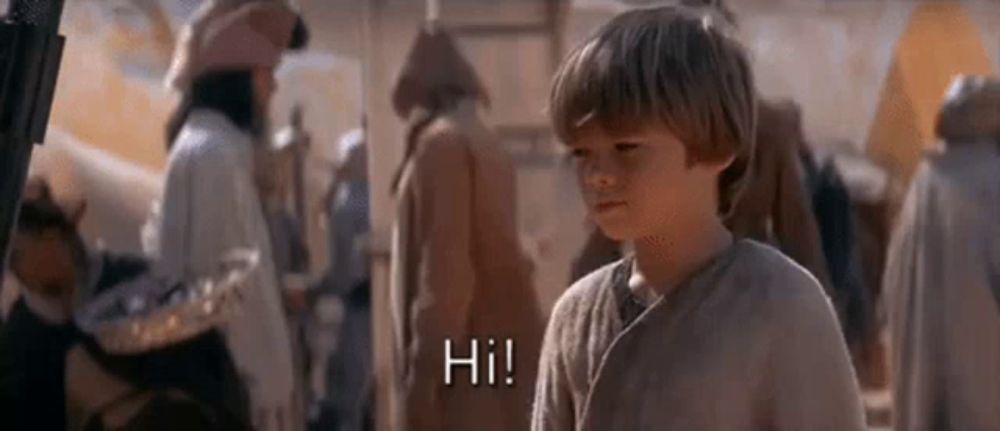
<point>579,153</point>
<point>625,147</point>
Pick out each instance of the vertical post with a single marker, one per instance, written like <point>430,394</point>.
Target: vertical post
<point>30,53</point>
<point>301,148</point>
<point>379,141</point>
<point>14,159</point>
<point>555,12</point>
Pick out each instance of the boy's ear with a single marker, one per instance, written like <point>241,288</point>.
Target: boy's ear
<point>720,164</point>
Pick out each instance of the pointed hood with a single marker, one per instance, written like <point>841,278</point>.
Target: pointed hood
<point>434,71</point>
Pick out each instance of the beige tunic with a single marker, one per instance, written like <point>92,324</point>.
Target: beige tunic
<point>459,273</point>
<point>749,343</point>
<point>942,285</point>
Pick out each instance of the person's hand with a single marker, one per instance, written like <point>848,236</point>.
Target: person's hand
<point>294,295</point>
<point>363,244</point>
<point>303,142</point>
<point>295,301</point>
<point>322,217</point>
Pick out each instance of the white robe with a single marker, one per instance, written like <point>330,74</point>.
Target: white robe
<point>210,206</point>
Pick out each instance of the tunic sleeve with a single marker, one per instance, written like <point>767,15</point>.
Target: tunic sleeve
<point>812,384</point>
<point>553,406</point>
<point>440,309</point>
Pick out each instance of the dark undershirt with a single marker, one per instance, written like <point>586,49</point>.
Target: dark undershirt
<point>630,306</point>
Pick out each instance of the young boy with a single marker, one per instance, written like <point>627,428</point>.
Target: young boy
<point>695,330</point>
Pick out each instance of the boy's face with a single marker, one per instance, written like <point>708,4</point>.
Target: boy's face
<point>639,183</point>
<point>43,262</point>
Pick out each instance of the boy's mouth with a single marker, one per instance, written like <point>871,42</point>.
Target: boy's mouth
<point>605,206</point>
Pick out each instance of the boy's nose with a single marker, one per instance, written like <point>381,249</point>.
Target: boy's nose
<point>601,174</point>
<point>601,179</point>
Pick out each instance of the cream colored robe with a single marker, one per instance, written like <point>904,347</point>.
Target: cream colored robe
<point>749,343</point>
<point>942,285</point>
<point>210,206</point>
<point>459,272</point>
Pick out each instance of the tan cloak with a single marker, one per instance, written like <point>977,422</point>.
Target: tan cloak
<point>460,273</point>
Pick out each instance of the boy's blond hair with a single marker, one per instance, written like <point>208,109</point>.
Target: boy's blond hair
<point>669,65</point>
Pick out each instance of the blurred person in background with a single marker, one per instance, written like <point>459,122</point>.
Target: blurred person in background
<point>775,207</point>
<point>35,188</point>
<point>875,195</point>
<point>48,260</point>
<point>274,167</point>
<point>942,277</point>
<point>345,206</point>
<point>42,385</point>
<point>458,269</point>
<point>598,250</point>
<point>224,69</point>
<point>833,209</point>
<point>189,384</point>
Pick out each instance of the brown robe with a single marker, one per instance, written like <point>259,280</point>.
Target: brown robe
<point>774,208</point>
<point>942,287</point>
<point>459,273</point>
<point>748,343</point>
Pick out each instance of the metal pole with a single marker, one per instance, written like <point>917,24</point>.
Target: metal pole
<point>30,55</point>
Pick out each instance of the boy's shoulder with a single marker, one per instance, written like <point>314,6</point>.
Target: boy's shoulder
<point>587,292</point>
<point>780,280</point>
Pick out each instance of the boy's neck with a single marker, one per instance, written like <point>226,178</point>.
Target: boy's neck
<point>466,108</point>
<point>664,261</point>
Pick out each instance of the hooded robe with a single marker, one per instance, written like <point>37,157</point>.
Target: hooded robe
<point>942,277</point>
<point>942,284</point>
<point>458,268</point>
